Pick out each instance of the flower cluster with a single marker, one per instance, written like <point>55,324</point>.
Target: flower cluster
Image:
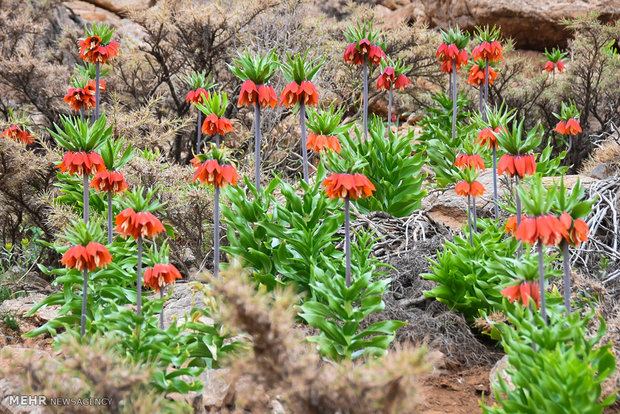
<point>109,181</point>
<point>196,95</point>
<point>263,95</point>
<point>304,92</point>
<point>81,163</point>
<point>16,133</point>
<point>345,185</point>
<point>477,73</point>
<point>94,51</point>
<point>318,143</point>
<point>488,50</point>
<point>213,125</point>
<point>211,172</point>
<point>474,189</point>
<point>523,292</point>
<point>471,161</point>
<point>137,224</point>
<point>83,98</point>
<point>520,165</point>
<point>160,275</point>
<point>92,256</point>
<point>355,52</point>
<point>389,79</point>
<point>448,54</point>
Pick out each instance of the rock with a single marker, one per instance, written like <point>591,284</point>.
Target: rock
<point>601,171</point>
<point>500,369</point>
<point>446,208</point>
<point>181,303</point>
<point>217,388</point>
<point>23,304</point>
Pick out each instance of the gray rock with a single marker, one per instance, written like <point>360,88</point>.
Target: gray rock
<point>601,171</point>
<point>500,369</point>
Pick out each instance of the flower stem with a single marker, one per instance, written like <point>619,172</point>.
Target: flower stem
<point>257,147</point>
<point>97,75</point>
<point>82,115</point>
<point>486,90</point>
<point>541,282</point>
<point>474,214</point>
<point>390,94</point>
<point>304,148</point>
<point>566,268</point>
<point>139,279</point>
<point>454,98</point>
<point>199,133</point>
<point>365,109</point>
<point>86,197</point>
<point>471,237</point>
<point>84,302</point>
<point>518,202</point>
<point>570,143</point>
<point>217,141</point>
<point>161,314</point>
<point>110,214</point>
<point>216,233</point>
<point>481,101</point>
<point>347,240</point>
<point>495,181</point>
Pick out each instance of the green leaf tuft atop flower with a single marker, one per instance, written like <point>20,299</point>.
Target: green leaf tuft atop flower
<point>214,104</point>
<point>298,68</point>
<point>78,135</point>
<point>259,69</point>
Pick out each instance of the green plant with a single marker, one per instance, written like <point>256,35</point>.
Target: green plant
<point>563,372</point>
<point>9,319</point>
<point>339,310</point>
<point>390,164</point>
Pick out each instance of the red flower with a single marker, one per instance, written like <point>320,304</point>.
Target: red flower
<point>523,292</point>
<point>485,50</point>
<point>91,50</point>
<point>463,188</point>
<point>267,96</point>
<point>511,224</point>
<point>160,275</point>
<point>249,93</point>
<point>573,127</point>
<point>448,54</point>
<point>109,181</point>
<point>560,128</point>
<point>547,229</point>
<point>471,161</point>
<point>213,125</point>
<point>402,82</point>
<point>348,185</point>
<point>142,223</point>
<point>386,79</point>
<point>211,172</point>
<point>87,45</point>
<point>376,55</point>
<point>79,99</point>
<point>92,256</point>
<point>476,76</point>
<point>352,56</point>
<point>196,96</point>
<point>289,94</point>
<point>487,137</point>
<point>364,46</point>
<point>307,93</point>
<point>522,165</point>
<point>577,229</point>
<point>17,134</point>
<point>560,65</point>
<point>81,163</point>
<point>549,66</point>
<point>318,143</point>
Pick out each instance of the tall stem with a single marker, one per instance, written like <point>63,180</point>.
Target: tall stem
<point>347,240</point>
<point>161,314</point>
<point>304,148</point>
<point>541,282</point>
<point>257,147</point>
<point>217,141</point>
<point>365,109</point>
<point>566,268</point>
<point>390,95</point>
<point>486,90</point>
<point>481,101</point>
<point>139,279</point>
<point>454,98</point>
<point>82,115</point>
<point>84,302</point>
<point>216,233</point>
<point>475,215</point>
<point>199,133</point>
<point>97,75</point>
<point>471,237</point>
<point>86,197</point>
<point>570,143</point>
<point>495,182</point>
<point>518,200</point>
<point>110,214</point>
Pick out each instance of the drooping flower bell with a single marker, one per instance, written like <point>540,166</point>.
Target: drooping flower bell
<point>82,96</point>
<point>346,185</point>
<point>213,125</point>
<point>511,224</point>
<point>197,95</point>
<point>363,44</point>
<point>214,168</point>
<point>91,256</point>
<point>488,137</point>
<point>568,120</point>
<point>319,143</point>
<point>324,128</point>
<point>16,133</point>
<point>523,292</point>
<point>475,189</point>
<point>300,73</point>
<point>255,71</point>
<point>546,229</point>
<point>98,46</point>
<point>81,163</point>
<point>520,165</point>
<point>393,75</point>
<point>472,161</point>
<point>109,181</point>
<point>160,275</point>
<point>138,224</point>
<point>488,50</point>
<point>554,61</point>
<point>518,160</point>
<point>476,74</point>
<point>452,50</point>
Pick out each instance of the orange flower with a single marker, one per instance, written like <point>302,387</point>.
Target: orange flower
<point>196,96</point>
<point>212,173</point>
<point>560,128</point>
<point>91,50</point>
<point>476,76</point>
<point>511,224</point>
<point>522,165</point>
<point>142,223</point>
<point>249,93</point>
<point>213,125</point>
<point>267,96</point>
<point>402,82</point>
<point>348,185</point>
<point>352,56</point>
<point>386,79</point>
<point>471,161</point>
<point>577,229</point>
<point>487,137</point>
<point>485,50</point>
<point>448,54</point>
<point>318,143</point>
<point>547,229</point>
<point>560,65</point>
<point>160,275</point>
<point>81,163</point>
<point>307,93</point>
<point>573,127</point>
<point>289,94</point>
<point>463,188</point>
<point>78,99</point>
<point>17,134</point>
<point>92,256</point>
<point>523,292</point>
<point>549,66</point>
<point>109,181</point>
<point>87,45</point>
